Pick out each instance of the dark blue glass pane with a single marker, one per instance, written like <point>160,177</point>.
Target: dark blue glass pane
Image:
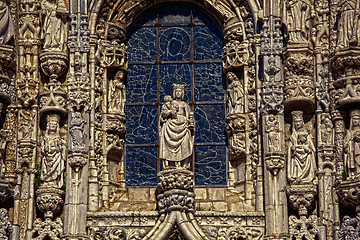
<point>142,45</point>
<point>207,43</point>
<point>149,19</point>
<point>209,83</point>
<point>141,166</point>
<point>175,73</point>
<point>201,18</point>
<point>210,165</point>
<point>174,14</point>
<point>210,123</point>
<point>174,43</point>
<point>142,82</point>
<point>141,124</point>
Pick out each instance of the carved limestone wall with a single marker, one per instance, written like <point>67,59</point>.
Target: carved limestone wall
<point>287,77</point>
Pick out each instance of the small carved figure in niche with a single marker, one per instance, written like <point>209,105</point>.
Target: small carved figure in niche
<point>235,94</point>
<point>348,23</point>
<point>297,16</point>
<point>76,130</point>
<point>26,124</point>
<point>352,145</point>
<point>117,93</point>
<point>301,152</point>
<point>326,130</point>
<point>177,127</point>
<point>53,153</point>
<point>54,30</point>
<point>236,133</point>
<point>6,23</point>
<point>3,138</point>
<point>273,130</point>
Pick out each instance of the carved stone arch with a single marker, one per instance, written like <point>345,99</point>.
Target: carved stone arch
<point>226,12</point>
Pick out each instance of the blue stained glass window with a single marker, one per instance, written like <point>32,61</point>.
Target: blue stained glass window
<point>175,43</point>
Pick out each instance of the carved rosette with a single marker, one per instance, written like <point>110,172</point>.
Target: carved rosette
<point>175,191</point>
<point>50,201</point>
<point>299,80</point>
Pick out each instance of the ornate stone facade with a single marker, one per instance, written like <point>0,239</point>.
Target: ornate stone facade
<point>194,119</point>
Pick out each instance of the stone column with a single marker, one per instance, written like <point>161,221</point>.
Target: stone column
<point>272,112</point>
<point>78,106</point>
<point>27,86</point>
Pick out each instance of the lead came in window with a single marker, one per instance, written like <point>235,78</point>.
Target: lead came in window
<point>175,43</point>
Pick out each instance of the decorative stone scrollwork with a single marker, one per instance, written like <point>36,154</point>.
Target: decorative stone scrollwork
<point>299,86</point>
<point>79,34</point>
<point>349,229</point>
<point>111,233</point>
<point>53,64</point>
<point>275,162</point>
<point>115,124</point>
<point>77,160</point>
<point>303,228</point>
<point>179,179</point>
<point>176,200</point>
<point>349,193</point>
<point>239,233</point>
<point>235,52</point>
<point>114,54</point>
<point>47,229</point>
<point>175,187</point>
<point>301,197</point>
<point>49,201</point>
<point>5,226</point>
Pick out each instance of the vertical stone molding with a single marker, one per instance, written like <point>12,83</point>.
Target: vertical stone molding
<point>272,110</point>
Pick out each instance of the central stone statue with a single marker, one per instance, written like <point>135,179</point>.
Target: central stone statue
<point>176,130</point>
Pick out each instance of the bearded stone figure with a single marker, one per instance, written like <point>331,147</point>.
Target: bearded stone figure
<point>301,152</point>
<point>352,145</point>
<point>177,127</point>
<point>53,153</point>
